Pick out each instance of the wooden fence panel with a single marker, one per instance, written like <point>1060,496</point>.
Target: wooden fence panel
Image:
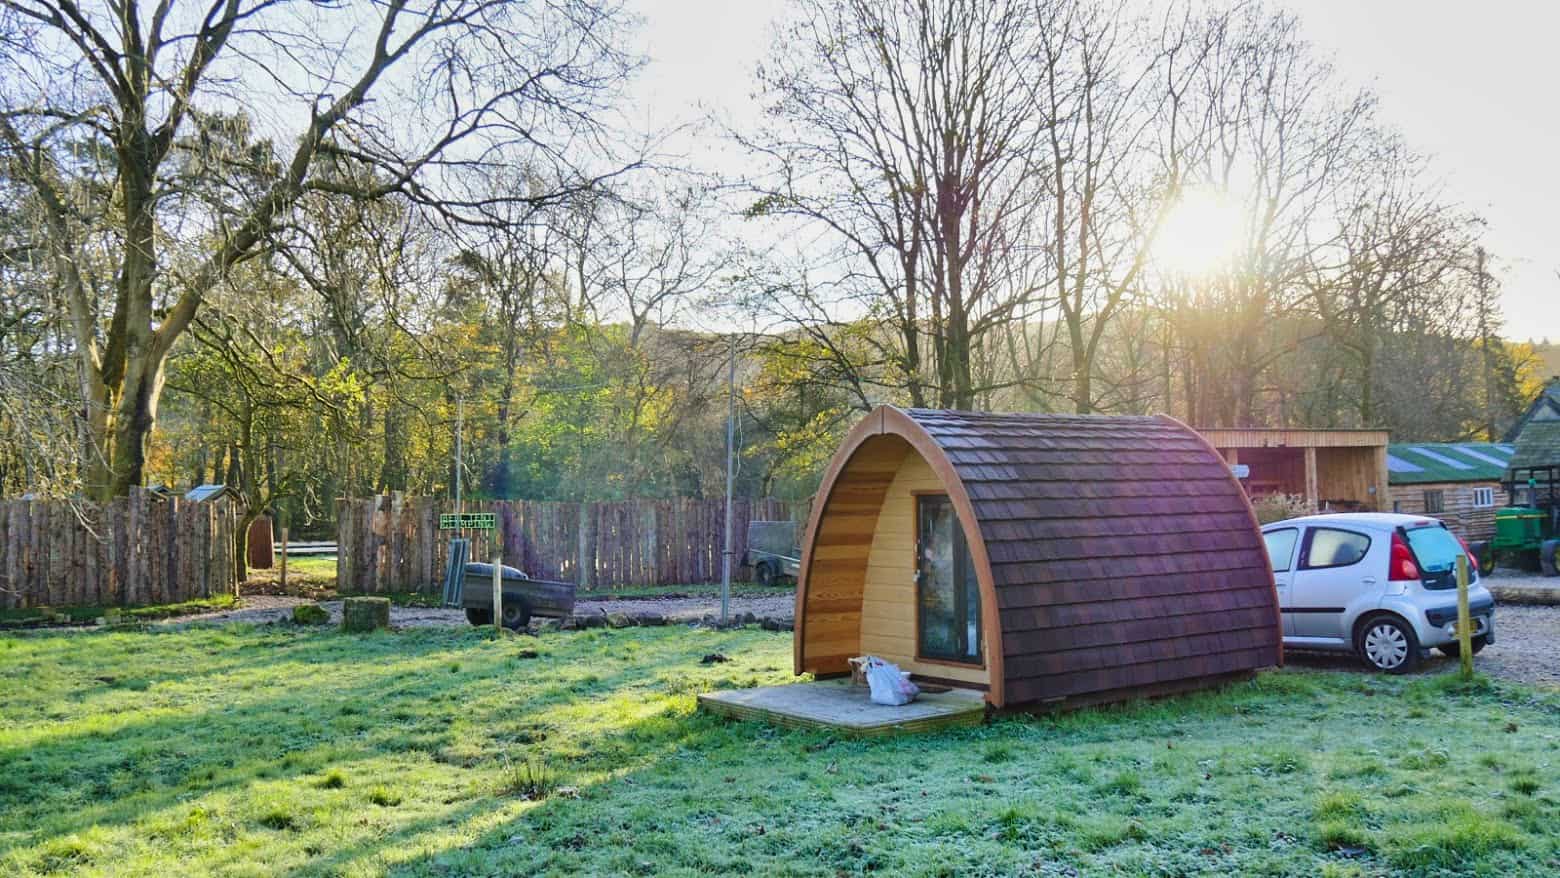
<point>138,549</point>
<point>392,544</point>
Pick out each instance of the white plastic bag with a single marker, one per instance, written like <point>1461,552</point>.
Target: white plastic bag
<point>889,685</point>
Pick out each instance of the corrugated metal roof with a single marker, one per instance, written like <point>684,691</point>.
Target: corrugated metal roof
<point>1419,463</point>
<point>205,493</point>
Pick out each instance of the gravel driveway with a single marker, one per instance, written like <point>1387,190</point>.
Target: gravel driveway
<point>1526,649</point>
<point>260,609</point>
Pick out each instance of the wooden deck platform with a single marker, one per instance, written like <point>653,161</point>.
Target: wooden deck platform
<point>836,705</point>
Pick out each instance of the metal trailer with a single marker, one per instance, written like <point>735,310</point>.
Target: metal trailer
<point>523,597</point>
<point>773,551</point>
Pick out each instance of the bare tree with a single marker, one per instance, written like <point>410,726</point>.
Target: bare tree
<point>1276,135</point>
<point>1113,93</point>
<point>418,93</point>
<point>903,131</point>
<point>1397,253</point>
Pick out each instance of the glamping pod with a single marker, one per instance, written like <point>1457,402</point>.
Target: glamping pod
<point>1040,558</point>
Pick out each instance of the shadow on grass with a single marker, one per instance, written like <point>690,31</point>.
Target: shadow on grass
<point>211,716</point>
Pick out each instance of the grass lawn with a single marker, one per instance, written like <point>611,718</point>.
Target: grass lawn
<point>307,574</point>
<point>441,752</point>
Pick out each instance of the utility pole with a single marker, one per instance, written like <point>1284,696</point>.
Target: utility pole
<point>731,457</point>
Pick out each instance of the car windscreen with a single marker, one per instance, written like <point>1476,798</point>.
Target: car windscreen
<point>1436,550</point>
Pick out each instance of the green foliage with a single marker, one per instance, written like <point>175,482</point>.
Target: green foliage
<point>1457,837</point>
<point>310,614</point>
<point>529,777</point>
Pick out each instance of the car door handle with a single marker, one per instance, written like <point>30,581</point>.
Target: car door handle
<point>1369,580</point>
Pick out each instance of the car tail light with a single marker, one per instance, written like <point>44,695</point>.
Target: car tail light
<point>1402,565</point>
<point>1473,560</point>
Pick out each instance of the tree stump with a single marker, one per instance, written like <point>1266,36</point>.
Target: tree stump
<point>310,614</point>
<point>365,614</point>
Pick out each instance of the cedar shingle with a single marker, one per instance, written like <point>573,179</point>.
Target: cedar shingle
<point>1122,552</point>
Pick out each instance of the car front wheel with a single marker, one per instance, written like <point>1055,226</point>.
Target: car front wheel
<point>1388,644</point>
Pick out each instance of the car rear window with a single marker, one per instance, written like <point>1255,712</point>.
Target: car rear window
<point>1435,547</point>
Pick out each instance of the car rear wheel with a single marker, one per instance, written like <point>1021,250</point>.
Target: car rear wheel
<point>1387,643</point>
<point>479,616</point>
<point>1451,650</point>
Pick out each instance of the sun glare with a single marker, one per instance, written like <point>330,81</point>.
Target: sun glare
<point>1200,235</point>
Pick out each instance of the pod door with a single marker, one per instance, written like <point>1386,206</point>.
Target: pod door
<point>947,591</point>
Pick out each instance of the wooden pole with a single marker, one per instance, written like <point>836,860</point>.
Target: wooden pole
<point>1313,489</point>
<point>498,593</point>
<point>284,559</point>
<point>1464,621</point>
<point>731,457</point>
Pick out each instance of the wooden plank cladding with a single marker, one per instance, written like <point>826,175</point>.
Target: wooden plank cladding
<point>139,549</point>
<point>1116,555</point>
<point>393,544</point>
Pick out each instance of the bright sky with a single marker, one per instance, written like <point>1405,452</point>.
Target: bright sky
<point>1473,85</point>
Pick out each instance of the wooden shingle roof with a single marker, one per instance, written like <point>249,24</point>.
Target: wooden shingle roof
<point>1123,553</point>
<point>1537,445</point>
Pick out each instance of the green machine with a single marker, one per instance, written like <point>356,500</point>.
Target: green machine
<point>1528,532</point>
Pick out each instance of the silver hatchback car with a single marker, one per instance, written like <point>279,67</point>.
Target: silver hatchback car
<point>1380,585</point>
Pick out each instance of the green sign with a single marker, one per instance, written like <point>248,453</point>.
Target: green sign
<point>468,521</point>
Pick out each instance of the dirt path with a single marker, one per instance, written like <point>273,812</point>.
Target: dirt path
<point>261,609</point>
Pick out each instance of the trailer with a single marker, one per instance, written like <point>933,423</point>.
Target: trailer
<point>773,551</point>
<point>523,597</point>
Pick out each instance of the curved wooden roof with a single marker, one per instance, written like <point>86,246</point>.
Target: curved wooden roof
<point>1114,553</point>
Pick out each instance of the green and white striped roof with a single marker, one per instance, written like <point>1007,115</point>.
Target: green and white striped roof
<point>1420,463</point>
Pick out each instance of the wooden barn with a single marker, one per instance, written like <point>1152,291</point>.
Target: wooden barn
<point>1334,470</point>
<point>1457,482</point>
<point>1038,558</point>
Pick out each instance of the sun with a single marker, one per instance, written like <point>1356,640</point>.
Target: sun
<point>1201,234</point>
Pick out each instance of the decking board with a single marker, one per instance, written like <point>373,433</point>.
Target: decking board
<point>836,705</point>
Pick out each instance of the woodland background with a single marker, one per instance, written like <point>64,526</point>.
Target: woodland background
<point>291,246</point>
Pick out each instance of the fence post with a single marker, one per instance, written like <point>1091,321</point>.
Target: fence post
<point>583,580</point>
<point>1464,620</point>
<point>498,593</point>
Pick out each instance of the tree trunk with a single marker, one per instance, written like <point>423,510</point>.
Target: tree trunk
<point>1083,379</point>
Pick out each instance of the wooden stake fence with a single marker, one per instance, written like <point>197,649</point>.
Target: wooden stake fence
<point>392,543</point>
<point>139,549</point>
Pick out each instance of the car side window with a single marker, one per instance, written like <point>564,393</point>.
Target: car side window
<point>1281,547</point>
<point>1329,547</point>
